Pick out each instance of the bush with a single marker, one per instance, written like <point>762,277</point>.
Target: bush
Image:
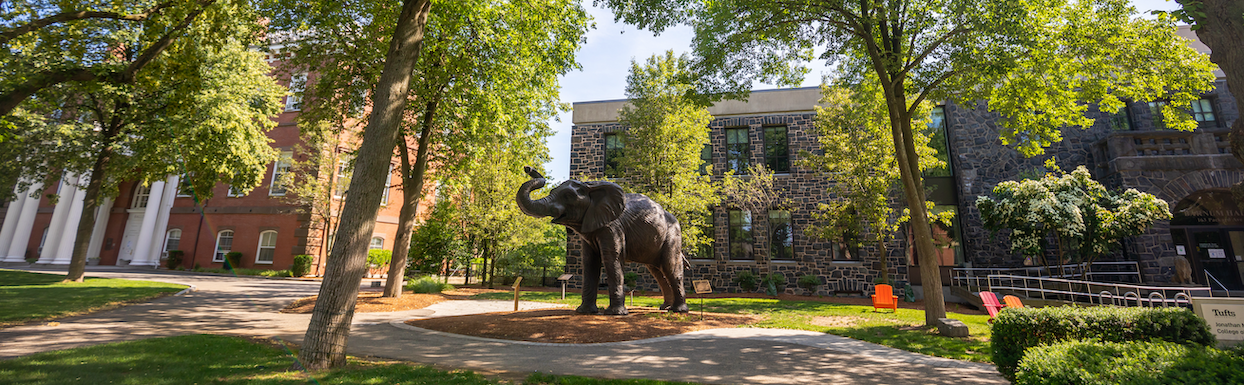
<point>1016,330</point>
<point>379,257</point>
<point>630,279</point>
<point>809,282</point>
<point>174,258</point>
<point>1093,362</point>
<point>772,282</point>
<point>233,260</point>
<point>746,280</point>
<point>428,285</point>
<point>301,266</point>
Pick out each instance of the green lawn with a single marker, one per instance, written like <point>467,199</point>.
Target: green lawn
<point>903,330</point>
<point>26,296</point>
<point>215,359</point>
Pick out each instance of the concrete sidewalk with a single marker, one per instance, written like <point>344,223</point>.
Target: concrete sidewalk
<point>248,306</point>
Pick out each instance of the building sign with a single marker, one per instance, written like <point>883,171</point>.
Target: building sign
<point>1225,317</point>
<point>1180,249</point>
<point>702,286</point>
<point>1217,253</point>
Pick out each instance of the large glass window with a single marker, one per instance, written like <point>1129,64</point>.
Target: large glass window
<point>781,235</point>
<point>141,194</point>
<point>172,241</point>
<point>707,233</point>
<point>388,183</point>
<point>297,84</point>
<point>1203,110</point>
<point>376,243</point>
<point>224,244</point>
<point>1122,120</point>
<point>267,247</point>
<point>1155,109</point>
<point>279,170</point>
<point>939,141</point>
<point>706,158</point>
<point>343,177</point>
<point>738,150</point>
<point>741,235</point>
<point>947,238</point>
<point>777,149</point>
<point>613,149</point>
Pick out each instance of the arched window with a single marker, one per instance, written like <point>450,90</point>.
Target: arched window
<point>267,247</point>
<point>172,241</point>
<point>141,193</point>
<point>376,243</point>
<point>224,244</point>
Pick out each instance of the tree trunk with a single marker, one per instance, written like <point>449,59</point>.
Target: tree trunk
<point>325,343</point>
<point>412,190</point>
<point>90,205</point>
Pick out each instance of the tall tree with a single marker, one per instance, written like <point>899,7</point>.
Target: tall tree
<point>1040,64</point>
<point>663,139</point>
<point>856,144</point>
<point>55,42</point>
<point>200,110</point>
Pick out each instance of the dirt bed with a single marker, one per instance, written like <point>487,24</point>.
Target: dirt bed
<point>566,326</point>
<point>372,302</point>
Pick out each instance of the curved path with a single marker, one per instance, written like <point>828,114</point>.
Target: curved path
<point>248,306</point>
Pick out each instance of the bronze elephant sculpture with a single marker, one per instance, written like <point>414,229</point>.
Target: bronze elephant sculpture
<point>615,228</point>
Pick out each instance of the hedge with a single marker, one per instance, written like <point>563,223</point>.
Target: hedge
<point>1094,362</point>
<point>1016,330</point>
<point>301,266</point>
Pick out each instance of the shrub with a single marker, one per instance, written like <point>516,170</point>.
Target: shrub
<point>174,258</point>
<point>809,282</point>
<point>379,257</point>
<point>630,279</point>
<point>233,260</point>
<point>746,280</point>
<point>428,285</point>
<point>1016,330</point>
<point>1093,362</point>
<point>772,282</point>
<point>301,266</point>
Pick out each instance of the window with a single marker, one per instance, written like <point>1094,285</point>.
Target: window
<point>738,150</point>
<point>1155,108</point>
<point>781,235</point>
<point>43,240</point>
<point>707,233</point>
<point>1122,120</point>
<point>939,142</point>
<point>1203,110</point>
<point>376,243</point>
<point>613,147</point>
<point>235,192</point>
<point>777,149</point>
<point>388,182</point>
<point>224,244</point>
<point>343,177</point>
<point>740,235</point>
<point>946,238</point>
<point>267,247</point>
<point>297,84</point>
<point>172,241</point>
<point>141,194</point>
<point>279,170</point>
<point>706,158</point>
<point>185,188</point>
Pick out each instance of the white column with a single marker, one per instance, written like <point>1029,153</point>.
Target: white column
<point>101,225</point>
<point>161,225</point>
<point>142,248</point>
<point>64,252</point>
<point>10,221</point>
<point>59,215</point>
<point>25,223</point>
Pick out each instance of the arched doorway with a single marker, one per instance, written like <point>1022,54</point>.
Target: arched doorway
<point>1208,229</point>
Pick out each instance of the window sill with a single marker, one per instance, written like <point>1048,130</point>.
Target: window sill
<point>740,261</point>
<point>846,263</point>
<point>263,262</point>
<point>783,261</point>
<point>276,195</point>
<point>702,260</point>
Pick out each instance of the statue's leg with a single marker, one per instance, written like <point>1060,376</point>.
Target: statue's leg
<point>673,272</point>
<point>664,283</point>
<point>591,281</point>
<point>613,275</point>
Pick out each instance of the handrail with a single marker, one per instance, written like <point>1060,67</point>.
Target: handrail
<point>1083,291</point>
<point>1224,287</point>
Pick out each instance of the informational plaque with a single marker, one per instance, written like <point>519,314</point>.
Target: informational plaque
<point>702,286</point>
<point>565,277</point>
<point>1179,249</point>
<point>1217,253</point>
<point>1225,317</point>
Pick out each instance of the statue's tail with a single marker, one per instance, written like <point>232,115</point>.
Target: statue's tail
<point>686,264</point>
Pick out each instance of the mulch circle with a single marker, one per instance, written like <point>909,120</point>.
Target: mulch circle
<point>566,326</point>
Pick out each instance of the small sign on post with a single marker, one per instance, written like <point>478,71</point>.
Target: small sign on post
<point>516,282</point>
<point>702,286</point>
<point>564,278</point>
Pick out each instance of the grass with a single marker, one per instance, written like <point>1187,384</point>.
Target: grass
<point>228,360</point>
<point>27,297</point>
<point>903,330</point>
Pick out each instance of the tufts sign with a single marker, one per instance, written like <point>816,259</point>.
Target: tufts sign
<point>1225,317</point>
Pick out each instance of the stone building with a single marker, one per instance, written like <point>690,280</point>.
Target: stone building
<point>1192,171</point>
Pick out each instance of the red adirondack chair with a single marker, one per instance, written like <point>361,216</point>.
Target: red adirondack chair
<point>885,298</point>
<point>991,303</point>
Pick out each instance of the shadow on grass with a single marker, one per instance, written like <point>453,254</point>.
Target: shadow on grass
<point>922,339</point>
<point>22,278</point>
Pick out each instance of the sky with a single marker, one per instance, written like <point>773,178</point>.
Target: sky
<point>606,58</point>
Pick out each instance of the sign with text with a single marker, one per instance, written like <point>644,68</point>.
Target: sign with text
<point>565,277</point>
<point>702,286</point>
<point>1225,317</point>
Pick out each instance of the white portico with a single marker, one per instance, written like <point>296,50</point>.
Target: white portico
<point>142,246</point>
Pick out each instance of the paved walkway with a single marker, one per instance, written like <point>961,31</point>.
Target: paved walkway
<point>248,306</point>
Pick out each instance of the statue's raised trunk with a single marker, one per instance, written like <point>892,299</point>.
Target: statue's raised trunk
<point>538,208</point>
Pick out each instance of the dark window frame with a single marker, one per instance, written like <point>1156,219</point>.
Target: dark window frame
<point>738,155</point>
<point>747,243</point>
<point>777,163</point>
<point>787,252</point>
<point>611,154</point>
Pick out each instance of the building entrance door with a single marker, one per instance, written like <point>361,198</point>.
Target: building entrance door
<point>1220,253</point>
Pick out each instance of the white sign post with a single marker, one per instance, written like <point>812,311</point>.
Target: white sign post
<point>1225,317</point>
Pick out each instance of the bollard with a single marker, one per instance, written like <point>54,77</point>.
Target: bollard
<point>516,282</point>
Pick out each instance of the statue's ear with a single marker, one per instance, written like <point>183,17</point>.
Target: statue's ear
<point>607,204</point>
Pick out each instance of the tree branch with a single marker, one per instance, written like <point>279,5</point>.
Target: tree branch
<point>62,17</point>
<point>915,61</point>
<point>924,94</point>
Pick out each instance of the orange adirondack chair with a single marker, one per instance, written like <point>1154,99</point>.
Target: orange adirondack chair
<point>991,303</point>
<point>885,298</point>
<point>1012,302</point>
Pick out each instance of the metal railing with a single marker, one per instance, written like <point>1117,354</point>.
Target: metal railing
<point>1095,293</point>
<point>974,278</point>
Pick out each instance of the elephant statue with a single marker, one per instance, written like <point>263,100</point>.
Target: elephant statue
<point>615,228</point>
